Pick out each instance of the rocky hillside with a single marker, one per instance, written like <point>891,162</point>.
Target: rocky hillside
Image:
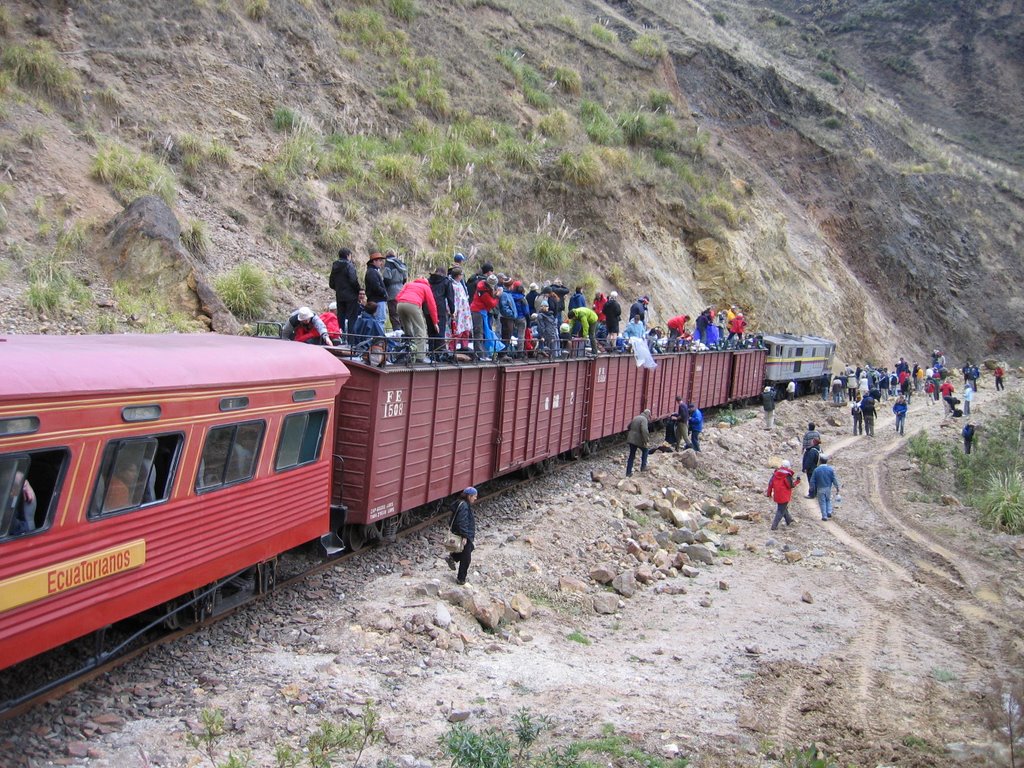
<point>702,152</point>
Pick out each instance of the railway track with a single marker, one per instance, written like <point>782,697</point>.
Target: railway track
<point>130,642</point>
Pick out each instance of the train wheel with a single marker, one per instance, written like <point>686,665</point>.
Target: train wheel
<point>205,603</point>
<point>355,537</point>
<point>390,529</point>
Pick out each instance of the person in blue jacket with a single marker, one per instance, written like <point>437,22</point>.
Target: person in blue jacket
<point>822,480</point>
<point>900,409</point>
<point>696,426</point>
<point>463,524</point>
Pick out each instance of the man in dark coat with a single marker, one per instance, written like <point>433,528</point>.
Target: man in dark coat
<point>345,283</point>
<point>810,462</point>
<point>612,317</point>
<point>639,439</point>
<point>444,297</point>
<point>375,288</point>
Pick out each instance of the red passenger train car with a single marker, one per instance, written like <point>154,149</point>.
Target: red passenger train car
<point>134,470</point>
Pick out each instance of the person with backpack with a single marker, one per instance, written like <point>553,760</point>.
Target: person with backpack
<point>968,435</point>
<point>395,274</point>
<point>812,455</point>
<point>780,488</point>
<point>858,418</point>
<point>867,409</point>
<point>768,403</point>
<point>463,524</point>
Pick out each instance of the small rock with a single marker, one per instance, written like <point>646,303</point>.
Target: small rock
<point>700,553</point>
<point>571,584</point>
<point>689,572</point>
<point>793,556</point>
<point>522,605</point>
<point>606,602</point>
<point>724,586</point>
<point>807,597</point>
<point>442,616</point>
<point>625,584</point>
<point>603,574</point>
<point>705,602</point>
<point>458,715</point>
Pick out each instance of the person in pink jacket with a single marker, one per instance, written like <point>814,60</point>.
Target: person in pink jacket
<point>416,306</point>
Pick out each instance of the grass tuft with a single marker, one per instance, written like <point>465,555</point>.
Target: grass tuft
<point>583,169</point>
<point>1002,502</point>
<point>36,67</point>
<point>649,45</point>
<point>196,239</point>
<point>257,9</point>
<point>568,80</point>
<point>245,291</point>
<point>602,34</point>
<point>131,174</point>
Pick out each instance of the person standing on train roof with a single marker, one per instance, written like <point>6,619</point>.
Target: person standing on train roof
<point>737,327</point>
<point>768,404</point>
<point>612,317</point>
<point>375,289</point>
<point>485,299</point>
<point>463,523</point>
<point>395,274</point>
<point>639,439</point>
<point>639,310</point>
<point>345,283</point>
<point>416,307</point>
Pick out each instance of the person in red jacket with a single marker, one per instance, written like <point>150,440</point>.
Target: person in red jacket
<point>780,488</point>
<point>737,327</point>
<point>676,330</point>
<point>481,303</point>
<point>415,305</point>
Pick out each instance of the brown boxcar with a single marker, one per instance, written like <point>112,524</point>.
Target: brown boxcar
<point>747,373</point>
<point>616,395</point>
<point>673,376</point>
<point>543,412</point>
<point>711,372</point>
<point>408,436</point>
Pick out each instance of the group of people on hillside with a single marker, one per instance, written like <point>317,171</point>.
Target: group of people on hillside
<point>488,314</point>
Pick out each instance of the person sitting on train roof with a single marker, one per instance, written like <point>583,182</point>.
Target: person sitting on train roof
<point>305,327</point>
<point>367,326</point>
<point>677,330</point>
<point>587,318</point>
<point>330,318</point>
<point>634,329</point>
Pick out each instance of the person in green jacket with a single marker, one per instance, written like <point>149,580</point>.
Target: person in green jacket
<point>587,319</point>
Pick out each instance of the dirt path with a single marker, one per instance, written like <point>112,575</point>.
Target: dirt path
<point>877,643</point>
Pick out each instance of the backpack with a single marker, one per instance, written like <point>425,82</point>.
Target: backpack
<point>855,410</point>
<point>968,431</point>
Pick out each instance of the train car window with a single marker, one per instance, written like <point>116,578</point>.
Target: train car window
<point>799,351</point>
<point>135,472</point>
<point>796,366</point>
<point>29,489</point>
<point>301,438</point>
<point>230,455</point>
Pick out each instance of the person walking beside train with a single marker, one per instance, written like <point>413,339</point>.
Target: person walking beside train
<point>416,306</point>
<point>768,403</point>
<point>463,524</point>
<point>780,489</point>
<point>822,481</point>
<point>639,439</point>
<point>696,422</point>
<point>811,457</point>
<point>345,283</point>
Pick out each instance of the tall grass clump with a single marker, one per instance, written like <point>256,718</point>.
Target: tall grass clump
<point>196,239</point>
<point>131,174</point>
<point>245,291</point>
<point>599,126</point>
<point>555,124</point>
<point>284,119</point>
<point>602,34</point>
<point>583,169</point>
<point>520,154</point>
<point>403,10</point>
<point>1002,502</point>
<point>635,127</point>
<point>53,288</point>
<point>36,67</point>
<point>568,80</point>
<point>649,45</point>
<point>257,9</point>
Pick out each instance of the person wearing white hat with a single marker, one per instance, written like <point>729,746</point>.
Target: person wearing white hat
<point>303,325</point>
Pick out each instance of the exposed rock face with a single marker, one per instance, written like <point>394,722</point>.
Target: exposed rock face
<point>143,247</point>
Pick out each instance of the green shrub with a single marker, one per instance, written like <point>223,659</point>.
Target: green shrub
<point>53,289</point>
<point>399,97</point>
<point>36,67</point>
<point>196,239</point>
<point>583,169</point>
<point>397,169</point>
<point>578,637</point>
<point>723,209</point>
<point>368,28</point>
<point>829,76</point>
<point>1002,502</point>
<point>649,45</point>
<point>719,18</point>
<point>568,80</point>
<point>599,126</point>
<point>220,154</point>
<point>334,238</point>
<point>832,122</point>
<point>257,9</point>
<point>131,174</point>
<point>245,291</point>
<point>602,34</point>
